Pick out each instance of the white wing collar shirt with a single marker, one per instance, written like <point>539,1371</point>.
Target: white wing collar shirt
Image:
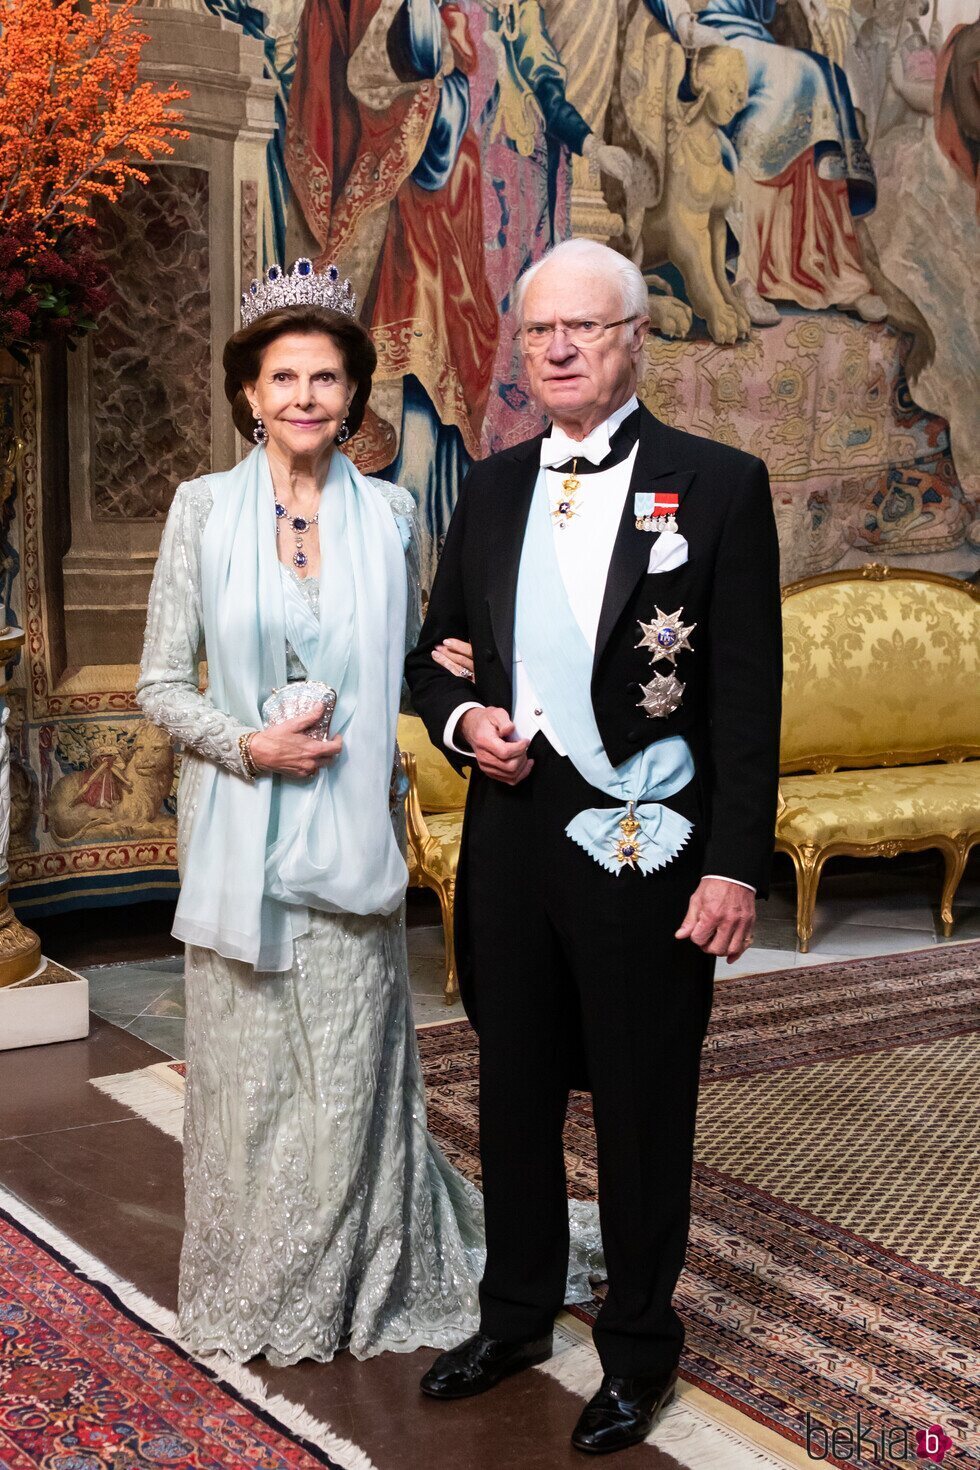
<point>584,546</point>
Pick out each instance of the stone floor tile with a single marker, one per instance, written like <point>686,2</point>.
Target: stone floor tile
<point>756,961</point>
<point>820,958</point>
<point>114,1189</point>
<point>775,933</point>
<point>171,965</point>
<point>170,1003</point>
<point>123,991</point>
<point>166,1033</point>
<point>45,1088</point>
<point>856,940</point>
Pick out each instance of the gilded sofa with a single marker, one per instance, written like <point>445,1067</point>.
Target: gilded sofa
<point>881,705</point>
<point>434,819</point>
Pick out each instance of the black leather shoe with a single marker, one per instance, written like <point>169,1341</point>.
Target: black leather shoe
<point>479,1363</point>
<point>623,1412</point>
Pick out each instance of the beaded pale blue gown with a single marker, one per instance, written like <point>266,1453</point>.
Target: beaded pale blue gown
<point>319,1212</point>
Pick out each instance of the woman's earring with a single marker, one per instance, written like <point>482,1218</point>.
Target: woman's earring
<point>344,433</point>
<point>260,433</point>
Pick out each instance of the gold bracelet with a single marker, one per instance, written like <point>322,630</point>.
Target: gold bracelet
<point>248,760</point>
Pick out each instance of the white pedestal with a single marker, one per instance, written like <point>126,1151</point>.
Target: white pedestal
<point>51,1005</point>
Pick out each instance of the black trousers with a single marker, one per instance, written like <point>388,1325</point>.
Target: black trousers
<point>571,961</point>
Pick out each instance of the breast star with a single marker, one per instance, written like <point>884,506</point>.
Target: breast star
<point>661,696</point>
<point>666,636</point>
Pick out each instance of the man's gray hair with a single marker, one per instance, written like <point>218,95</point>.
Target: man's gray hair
<point>603,261</point>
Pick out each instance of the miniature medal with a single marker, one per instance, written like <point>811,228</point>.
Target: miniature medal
<point>656,524</point>
<point>565,509</point>
<point>666,636</point>
<point>661,696</point>
<point>626,849</point>
<point>655,511</point>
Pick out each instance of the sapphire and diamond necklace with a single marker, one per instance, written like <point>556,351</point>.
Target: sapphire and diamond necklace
<point>299,525</point>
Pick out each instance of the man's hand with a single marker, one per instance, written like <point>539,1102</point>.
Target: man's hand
<point>720,918</point>
<point>605,158</point>
<point>486,731</point>
<point>692,34</point>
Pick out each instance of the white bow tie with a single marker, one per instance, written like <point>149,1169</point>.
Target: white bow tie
<point>558,447</point>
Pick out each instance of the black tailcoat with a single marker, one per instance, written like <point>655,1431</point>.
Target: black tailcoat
<point>729,587</point>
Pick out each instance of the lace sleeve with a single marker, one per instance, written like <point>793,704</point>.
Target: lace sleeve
<point>413,565</point>
<point>167,691</point>
<point>402,505</point>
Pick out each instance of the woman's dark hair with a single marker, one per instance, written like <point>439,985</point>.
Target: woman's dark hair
<point>242,357</point>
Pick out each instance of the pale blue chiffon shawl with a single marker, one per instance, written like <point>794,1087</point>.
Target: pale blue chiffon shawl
<point>262,854</point>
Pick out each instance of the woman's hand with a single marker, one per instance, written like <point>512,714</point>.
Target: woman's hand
<point>286,748</point>
<point>455,656</point>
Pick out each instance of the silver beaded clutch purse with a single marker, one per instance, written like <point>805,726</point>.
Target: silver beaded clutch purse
<point>299,698</point>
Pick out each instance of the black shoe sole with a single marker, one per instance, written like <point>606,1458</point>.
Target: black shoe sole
<point>470,1393</point>
<point>610,1449</point>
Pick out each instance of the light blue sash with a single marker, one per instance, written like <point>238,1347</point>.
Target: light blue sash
<point>559,663</point>
<point>262,854</point>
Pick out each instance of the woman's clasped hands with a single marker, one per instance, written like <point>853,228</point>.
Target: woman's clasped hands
<point>289,751</point>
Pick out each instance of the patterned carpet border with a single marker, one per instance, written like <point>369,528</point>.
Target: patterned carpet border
<point>87,1382</point>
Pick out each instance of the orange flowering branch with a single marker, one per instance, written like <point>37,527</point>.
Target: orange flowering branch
<point>76,122</point>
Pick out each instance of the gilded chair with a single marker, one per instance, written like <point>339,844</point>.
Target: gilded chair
<point>881,707</point>
<point>434,819</point>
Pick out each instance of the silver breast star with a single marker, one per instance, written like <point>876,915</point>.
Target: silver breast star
<point>666,636</point>
<point>661,696</point>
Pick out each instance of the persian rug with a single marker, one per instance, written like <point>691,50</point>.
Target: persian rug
<point>91,1379</point>
<point>832,1288</point>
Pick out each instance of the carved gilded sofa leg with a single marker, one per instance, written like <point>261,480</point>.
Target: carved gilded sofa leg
<point>808,862</point>
<point>422,874</point>
<point>955,853</point>
<point>447,893</point>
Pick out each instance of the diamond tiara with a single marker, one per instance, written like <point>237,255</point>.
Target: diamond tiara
<point>302,286</point>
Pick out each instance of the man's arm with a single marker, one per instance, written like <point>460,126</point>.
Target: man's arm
<point>544,72</point>
<point>745,688</point>
<point>436,693</point>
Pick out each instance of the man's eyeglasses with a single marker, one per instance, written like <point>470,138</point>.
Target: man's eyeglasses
<point>537,336</point>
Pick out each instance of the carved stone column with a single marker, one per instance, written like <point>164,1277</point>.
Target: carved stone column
<point>146,392</point>
<point>20,948</point>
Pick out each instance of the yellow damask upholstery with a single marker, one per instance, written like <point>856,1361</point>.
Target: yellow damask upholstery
<point>434,819</point>
<point>881,676</point>
<point>880,806</point>
<point>440,788</point>
<point>442,852</point>
<point>878,666</point>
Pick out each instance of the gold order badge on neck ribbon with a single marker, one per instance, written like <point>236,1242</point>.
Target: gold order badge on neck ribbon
<point>565,509</point>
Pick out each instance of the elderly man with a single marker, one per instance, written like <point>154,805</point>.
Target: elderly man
<point>618,580</point>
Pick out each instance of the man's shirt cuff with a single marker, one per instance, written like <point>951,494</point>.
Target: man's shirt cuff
<point>721,878</point>
<point>453,721</point>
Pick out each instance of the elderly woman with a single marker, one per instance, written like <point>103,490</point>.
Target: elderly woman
<point>319,1212</point>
